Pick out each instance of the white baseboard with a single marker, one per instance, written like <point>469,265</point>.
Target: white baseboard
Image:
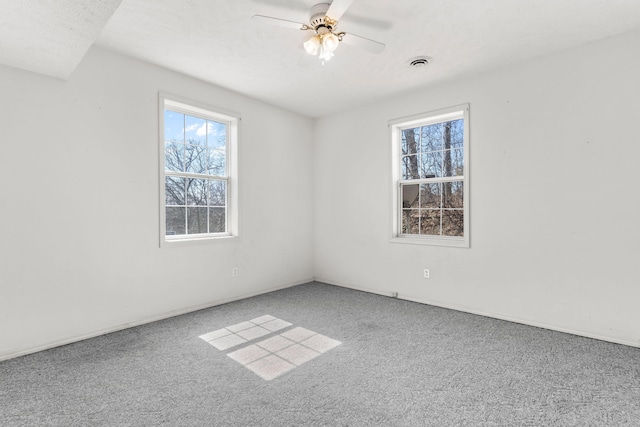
<point>485,313</point>
<point>166,315</point>
<point>142,321</point>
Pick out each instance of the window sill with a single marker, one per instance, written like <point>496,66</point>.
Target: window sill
<point>171,243</point>
<point>432,241</point>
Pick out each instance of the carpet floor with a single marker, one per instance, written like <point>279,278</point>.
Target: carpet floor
<point>320,355</point>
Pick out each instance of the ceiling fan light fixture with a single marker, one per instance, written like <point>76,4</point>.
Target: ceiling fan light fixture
<point>312,45</point>
<point>323,44</point>
<point>330,41</point>
<point>325,54</point>
<point>323,22</point>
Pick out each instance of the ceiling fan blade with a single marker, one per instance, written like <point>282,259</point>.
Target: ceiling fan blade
<point>280,22</point>
<point>338,8</point>
<point>363,43</point>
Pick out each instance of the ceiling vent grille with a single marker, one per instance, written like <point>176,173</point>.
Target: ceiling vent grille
<point>420,61</point>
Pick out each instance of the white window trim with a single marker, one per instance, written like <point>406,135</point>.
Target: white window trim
<point>423,119</point>
<point>232,119</point>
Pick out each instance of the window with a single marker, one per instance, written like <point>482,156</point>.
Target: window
<point>198,172</point>
<point>430,178</point>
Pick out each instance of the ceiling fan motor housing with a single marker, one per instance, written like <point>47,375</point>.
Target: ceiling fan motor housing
<point>317,16</point>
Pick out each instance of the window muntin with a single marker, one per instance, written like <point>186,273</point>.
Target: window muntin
<point>197,155</point>
<point>430,176</point>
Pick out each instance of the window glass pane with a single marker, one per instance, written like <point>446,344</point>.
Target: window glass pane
<point>173,126</point>
<point>195,130</point>
<point>217,135</point>
<point>457,162</point>
<point>217,221</point>
<point>410,221</point>
<point>410,196</point>
<point>453,222</point>
<point>217,193</point>
<point>175,221</point>
<point>174,190</point>
<point>452,195</point>
<point>410,138</point>
<point>196,220</point>
<point>174,156</point>
<point>410,167</point>
<point>430,222</point>
<point>196,191</point>
<point>447,168</point>
<point>431,164</point>
<point>431,137</point>
<point>430,195</point>
<point>195,159</point>
<point>217,162</point>
<point>457,133</point>
<point>403,143</point>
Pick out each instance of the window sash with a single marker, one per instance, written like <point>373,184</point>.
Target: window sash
<point>420,208</point>
<point>397,126</point>
<point>229,176</point>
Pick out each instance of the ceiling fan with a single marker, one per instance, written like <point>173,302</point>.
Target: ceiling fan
<point>323,21</point>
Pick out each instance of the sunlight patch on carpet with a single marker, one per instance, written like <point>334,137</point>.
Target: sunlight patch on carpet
<point>273,356</point>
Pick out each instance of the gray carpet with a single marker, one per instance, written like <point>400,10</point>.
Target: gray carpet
<point>398,364</point>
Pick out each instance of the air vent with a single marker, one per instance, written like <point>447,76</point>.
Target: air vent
<point>420,61</point>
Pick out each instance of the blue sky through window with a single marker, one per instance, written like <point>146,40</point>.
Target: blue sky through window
<point>197,131</point>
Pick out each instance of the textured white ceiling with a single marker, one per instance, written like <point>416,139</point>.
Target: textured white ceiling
<point>216,41</point>
<point>50,37</point>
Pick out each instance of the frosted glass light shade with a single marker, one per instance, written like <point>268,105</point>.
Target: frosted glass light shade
<point>325,54</point>
<point>330,42</point>
<point>312,45</point>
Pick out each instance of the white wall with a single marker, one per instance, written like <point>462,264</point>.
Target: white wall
<point>79,250</point>
<point>555,204</point>
<point>555,237</point>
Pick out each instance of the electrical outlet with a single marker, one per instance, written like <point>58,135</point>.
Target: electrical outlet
<point>234,272</point>
<point>426,273</point>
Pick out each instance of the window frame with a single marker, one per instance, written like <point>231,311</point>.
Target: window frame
<point>232,121</point>
<point>396,126</point>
